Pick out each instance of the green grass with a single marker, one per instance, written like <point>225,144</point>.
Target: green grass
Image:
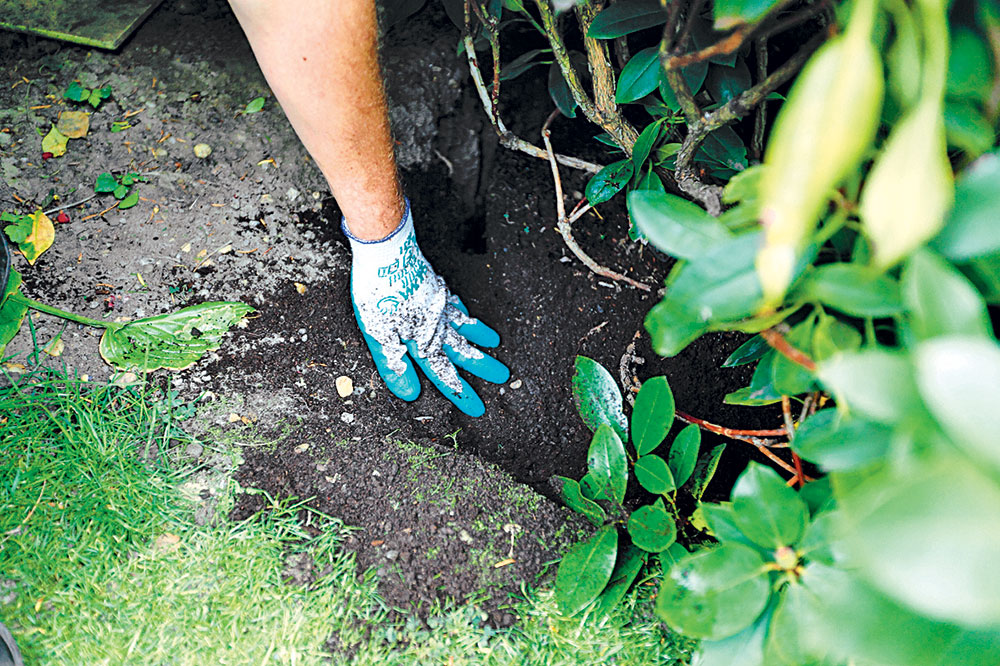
<point>102,563</point>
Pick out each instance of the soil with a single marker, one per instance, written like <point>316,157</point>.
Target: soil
<point>443,502</point>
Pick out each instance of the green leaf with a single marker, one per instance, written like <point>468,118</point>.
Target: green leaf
<point>669,557</point>
<point>674,225</point>
<point>684,454</point>
<point>714,593</point>
<point>653,415</point>
<point>653,474</point>
<point>761,390</point>
<point>590,488</point>
<point>875,383</point>
<point>928,538</point>
<point>560,92</point>
<point>20,228</point>
<point>832,336</point>
<point>724,147</point>
<point>608,464</point>
<point>745,648</point>
<point>839,443</point>
<point>645,142</point>
<point>652,528</point>
<point>586,570</point>
<point>959,380</point>
<point>572,497</point>
<point>673,326</point>
<point>724,83</point>
<point>120,192</point>
<point>626,17</point>
<point>105,183</point>
<point>766,510</point>
<point>598,399</point>
<point>176,340</point>
<point>76,92</point>
<point>969,66</point>
<point>522,64</point>
<point>940,300</point>
<point>12,310</point>
<point>627,567</point>
<point>129,201</point>
<point>704,471</point>
<point>694,76</point>
<point>971,229</point>
<point>731,13</point>
<point>721,520</point>
<point>254,105</point>
<point>967,129</point>
<point>790,378</point>
<point>750,351</point>
<point>856,290</point>
<point>607,182</point>
<point>640,76</point>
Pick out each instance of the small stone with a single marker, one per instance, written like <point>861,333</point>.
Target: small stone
<point>516,384</point>
<point>345,386</point>
<point>301,448</point>
<point>299,287</point>
<point>391,554</point>
<point>233,417</point>
<point>292,194</point>
<point>464,537</point>
<point>202,150</point>
<point>194,450</point>
<point>347,417</point>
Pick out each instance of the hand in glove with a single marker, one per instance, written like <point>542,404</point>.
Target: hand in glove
<point>407,315</point>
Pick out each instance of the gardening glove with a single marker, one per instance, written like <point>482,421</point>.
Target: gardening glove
<point>407,315</point>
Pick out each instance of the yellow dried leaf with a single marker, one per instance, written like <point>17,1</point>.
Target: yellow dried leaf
<point>299,287</point>
<point>55,348</point>
<point>43,232</point>
<point>15,368</point>
<point>73,124</point>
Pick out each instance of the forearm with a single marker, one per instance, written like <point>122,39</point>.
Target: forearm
<point>320,59</point>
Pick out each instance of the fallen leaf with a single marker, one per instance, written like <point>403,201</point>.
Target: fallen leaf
<point>33,234</point>
<point>504,563</point>
<point>234,417</point>
<point>15,368</point>
<point>201,254</point>
<point>55,348</point>
<point>186,247</point>
<point>126,379</point>
<point>54,142</point>
<point>345,386</point>
<point>299,287</point>
<point>73,124</point>
<point>166,542</point>
<point>378,542</point>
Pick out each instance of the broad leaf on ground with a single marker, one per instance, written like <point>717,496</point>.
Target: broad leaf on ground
<point>586,570</point>
<point>652,528</point>
<point>652,415</point>
<point>608,464</point>
<point>598,398</point>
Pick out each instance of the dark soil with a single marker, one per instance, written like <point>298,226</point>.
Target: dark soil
<point>438,496</point>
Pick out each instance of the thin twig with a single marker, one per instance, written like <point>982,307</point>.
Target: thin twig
<point>70,205</point>
<point>760,435</point>
<point>564,225</point>
<point>629,381</point>
<point>778,342</point>
<point>109,208</point>
<point>692,16</point>
<point>760,119</point>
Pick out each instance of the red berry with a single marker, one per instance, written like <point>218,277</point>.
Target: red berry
<point>47,156</point>
<point>62,217</point>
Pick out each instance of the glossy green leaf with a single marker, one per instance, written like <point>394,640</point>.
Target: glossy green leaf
<point>832,336</point>
<point>704,470</point>
<point>817,494</point>
<point>608,464</point>
<point>839,443</point>
<point>627,567</point>
<point>129,201</point>
<point>745,648</point>
<point>653,474</point>
<point>875,383</point>
<point>610,180</point>
<point>652,415</point>
<point>645,142</point>
<point>669,557</point>
<point>560,92</point>
<point>969,66</point>
<point>626,17</point>
<point>12,310</point>
<point>694,75</point>
<point>761,390</point>
<point>176,340</point>
<point>640,76</point>
<point>254,105</point>
<point>725,148</point>
<point>928,538</point>
<point>971,229</point>
<point>590,488</point>
<point>572,496</point>
<point>788,377</point>
<point>959,380</point>
<point>674,225</point>
<point>523,63</point>
<point>684,454</point>
<point>748,352</point>
<point>731,13</point>
<point>585,570</point>
<point>940,300</point>
<point>672,326</point>
<point>652,528</point>
<point>105,183</point>
<point>76,92</point>
<point>714,593</point>
<point>120,192</point>
<point>967,129</point>
<point>724,83</point>
<point>984,272</point>
<point>766,510</point>
<point>721,521</point>
<point>853,289</point>
<point>598,398</point>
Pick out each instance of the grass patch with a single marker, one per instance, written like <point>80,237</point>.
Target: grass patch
<point>103,563</point>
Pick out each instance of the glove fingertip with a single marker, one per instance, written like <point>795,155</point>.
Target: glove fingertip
<point>480,334</point>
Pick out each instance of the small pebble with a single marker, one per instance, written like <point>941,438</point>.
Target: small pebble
<point>516,384</point>
<point>345,386</point>
<point>347,417</point>
<point>301,448</point>
<point>202,150</point>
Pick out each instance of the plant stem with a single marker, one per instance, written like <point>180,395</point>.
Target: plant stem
<point>778,342</point>
<point>48,309</point>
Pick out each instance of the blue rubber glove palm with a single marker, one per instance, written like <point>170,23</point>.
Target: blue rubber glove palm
<point>407,316</point>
